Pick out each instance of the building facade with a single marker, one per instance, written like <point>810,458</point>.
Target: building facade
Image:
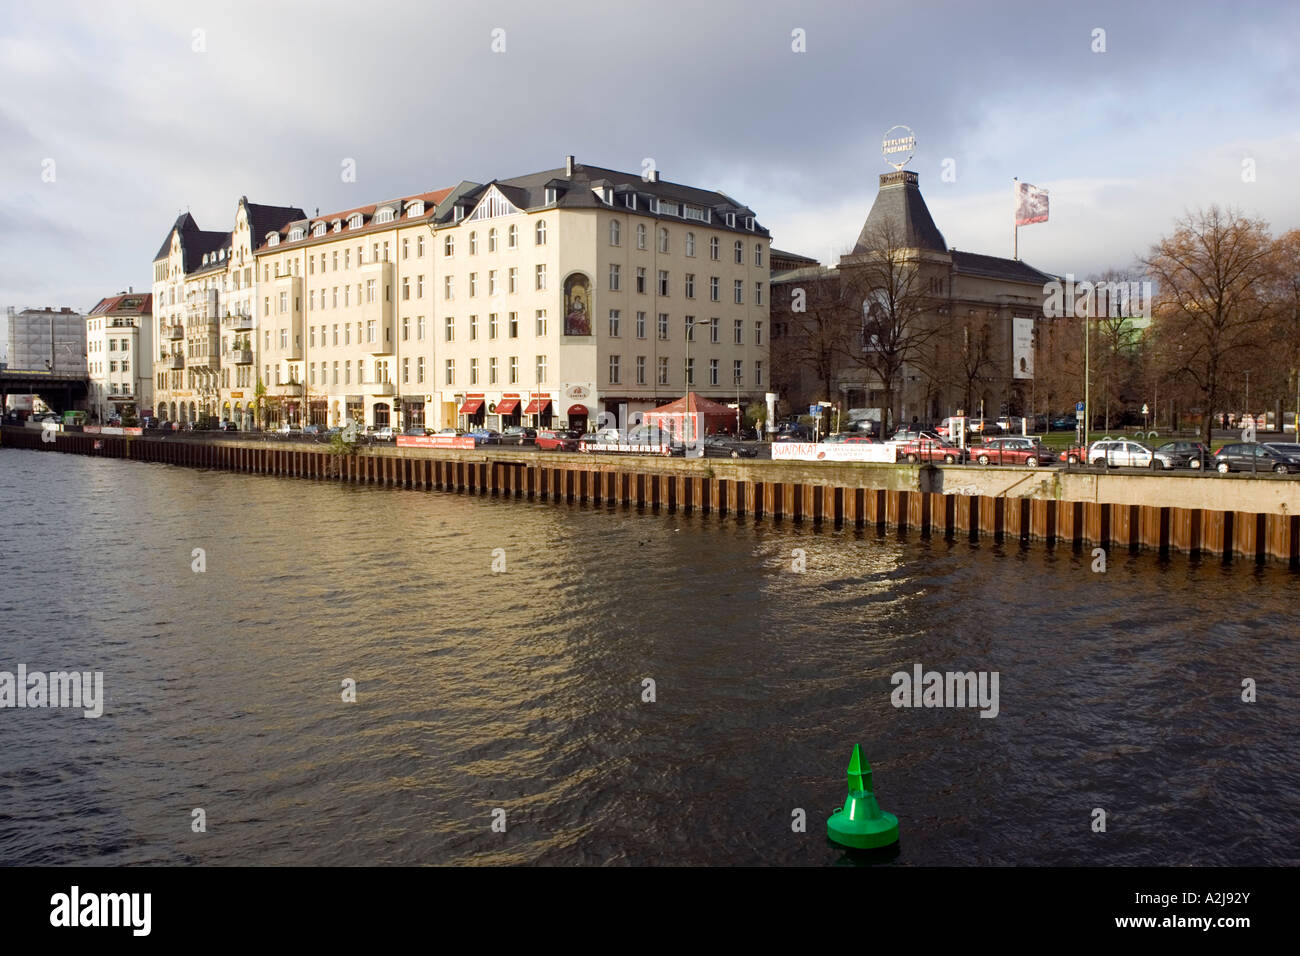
<point>119,357</point>
<point>48,340</point>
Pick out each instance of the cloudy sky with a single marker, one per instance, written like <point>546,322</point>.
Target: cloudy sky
<point>115,117</point>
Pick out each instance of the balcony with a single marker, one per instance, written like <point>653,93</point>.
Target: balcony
<point>379,388</point>
<point>241,356</point>
<point>177,360</point>
<point>174,333</point>
<point>285,389</point>
<point>239,323</point>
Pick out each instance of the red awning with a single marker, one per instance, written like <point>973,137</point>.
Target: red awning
<point>577,410</point>
<point>537,406</point>
<point>471,406</point>
<point>507,405</point>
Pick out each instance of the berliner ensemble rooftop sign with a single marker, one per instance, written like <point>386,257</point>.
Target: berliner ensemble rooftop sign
<point>899,146</point>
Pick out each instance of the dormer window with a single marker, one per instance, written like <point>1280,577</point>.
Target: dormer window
<point>296,234</point>
<point>416,208</point>
<point>749,223</point>
<point>551,195</point>
<point>384,215</point>
<point>630,200</point>
<point>318,229</point>
<point>459,212</point>
<point>354,222</point>
<point>731,219</point>
<point>337,225</point>
<point>273,239</point>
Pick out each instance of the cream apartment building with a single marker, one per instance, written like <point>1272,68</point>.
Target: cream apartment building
<point>119,357</point>
<point>580,290</point>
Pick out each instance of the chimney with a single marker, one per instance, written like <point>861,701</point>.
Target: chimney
<point>568,166</point>
<point>654,175</point>
<point>130,290</point>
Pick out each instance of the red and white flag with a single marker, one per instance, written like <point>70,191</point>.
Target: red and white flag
<point>1031,204</point>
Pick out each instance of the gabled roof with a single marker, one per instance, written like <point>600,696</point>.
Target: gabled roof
<point>194,242</point>
<point>264,219</point>
<point>131,303</point>
<point>900,208</point>
<point>995,267</point>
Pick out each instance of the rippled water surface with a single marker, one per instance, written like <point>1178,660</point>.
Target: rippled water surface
<point>522,690</point>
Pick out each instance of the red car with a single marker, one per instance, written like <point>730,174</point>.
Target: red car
<point>1012,451</point>
<point>930,449</point>
<point>549,440</point>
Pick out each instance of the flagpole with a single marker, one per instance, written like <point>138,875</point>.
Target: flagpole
<point>1015,228</point>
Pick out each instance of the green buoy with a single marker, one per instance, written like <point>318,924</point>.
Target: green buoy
<point>860,823</point>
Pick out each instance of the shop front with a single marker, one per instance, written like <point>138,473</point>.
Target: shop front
<point>472,412</point>
<point>538,412</point>
<point>507,411</point>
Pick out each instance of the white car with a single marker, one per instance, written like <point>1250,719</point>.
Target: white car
<point>1117,453</point>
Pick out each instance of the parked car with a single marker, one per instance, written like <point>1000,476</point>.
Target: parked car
<point>848,438</point>
<point>793,431</point>
<point>485,436</point>
<point>907,434</point>
<point>415,431</point>
<point>724,446</point>
<point>1066,423</point>
<point>382,433</point>
<point>312,431</point>
<point>930,448</point>
<point>1256,457</point>
<point>948,427</point>
<point>1120,453</point>
<point>1183,454</point>
<point>1010,424</point>
<point>518,435</point>
<point>549,439</point>
<point>1012,451</point>
<point>860,426</point>
<point>450,431</point>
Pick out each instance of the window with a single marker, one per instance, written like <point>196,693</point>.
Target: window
<point>663,370</point>
<point>512,237</point>
<point>539,233</point>
<point>690,371</point>
<point>451,372</point>
<point>739,289</point>
<point>449,245</point>
<point>615,274</point>
<point>336,334</point>
<point>492,282</point>
<point>640,325</point>
<point>492,370</point>
<point>613,370</point>
<point>419,247</point>
<point>473,327</point>
<point>473,284</point>
<point>539,279</point>
<point>690,328</point>
<point>758,254</point>
<point>690,285</point>
<point>512,325</point>
<point>473,243</point>
<point>492,240</point>
<point>347,373</point>
<point>713,247</point>
<point>419,369</point>
<point>615,232</point>
<point>284,302</point>
<point>614,323</point>
<point>713,371</point>
<point>311,300</point>
<point>473,371</point>
<point>336,373</point>
<point>406,248</point>
<point>370,290</point>
<point>370,331</point>
<point>640,235</point>
<point>448,285</point>
<point>740,252</point>
<point>663,326</point>
<point>713,289</point>
<point>449,331</point>
<point>758,373</point>
<point>419,287</point>
<point>541,369</point>
<point>311,336</point>
<point>758,333</point>
<point>640,279</point>
<point>406,290</point>
<point>512,280</point>
<point>663,281</point>
<point>540,320</point>
<point>758,293</point>
<point>713,330</point>
<point>492,325</point>
<point>737,371</point>
<point>551,194</point>
<point>419,330</point>
<point>663,239</point>
<point>690,244</point>
<point>739,331</point>
<point>336,260</point>
<point>514,370</point>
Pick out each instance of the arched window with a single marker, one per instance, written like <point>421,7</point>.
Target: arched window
<point>492,240</point>
<point>740,252</point>
<point>354,222</point>
<point>713,247</point>
<point>615,232</point>
<point>663,239</point>
<point>540,232</point>
<point>690,244</point>
<point>473,243</point>
<point>449,245</point>
<point>512,237</point>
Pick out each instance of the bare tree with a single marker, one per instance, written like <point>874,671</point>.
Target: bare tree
<point>1212,309</point>
<point>820,322</point>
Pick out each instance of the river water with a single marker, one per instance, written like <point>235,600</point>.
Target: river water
<point>523,689</point>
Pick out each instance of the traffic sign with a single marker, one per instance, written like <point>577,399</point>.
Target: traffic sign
<point>1078,408</point>
<point>814,409</point>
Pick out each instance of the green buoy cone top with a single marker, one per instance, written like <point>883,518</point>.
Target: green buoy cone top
<point>860,823</point>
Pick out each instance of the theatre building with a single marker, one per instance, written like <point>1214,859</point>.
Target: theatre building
<point>972,341</point>
<point>568,292</point>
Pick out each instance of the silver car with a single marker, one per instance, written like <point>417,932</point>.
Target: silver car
<point>1118,453</point>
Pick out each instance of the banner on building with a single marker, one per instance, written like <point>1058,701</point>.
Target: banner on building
<point>1022,348</point>
<point>1031,204</point>
<point>855,451</point>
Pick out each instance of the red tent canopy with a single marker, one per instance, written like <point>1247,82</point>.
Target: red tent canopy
<point>691,416</point>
